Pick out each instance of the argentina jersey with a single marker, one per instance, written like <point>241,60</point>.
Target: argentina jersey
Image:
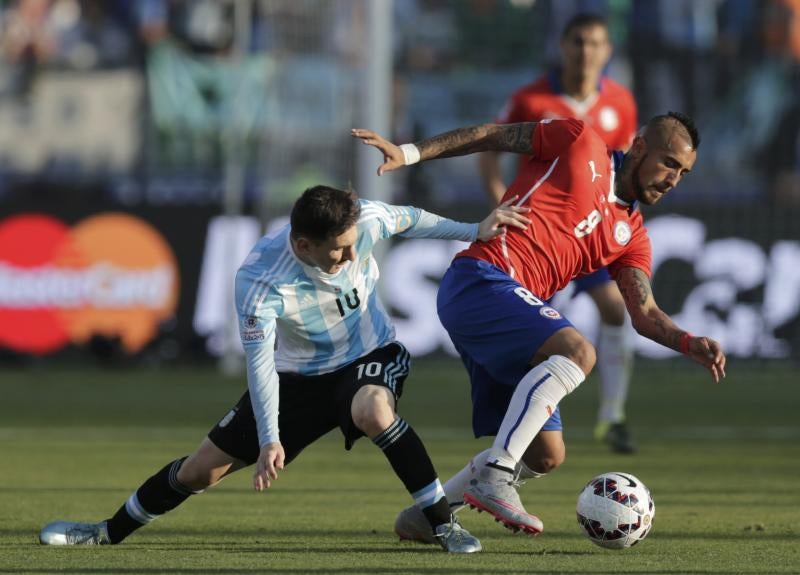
<point>321,321</point>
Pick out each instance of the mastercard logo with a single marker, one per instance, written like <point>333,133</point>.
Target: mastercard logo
<point>111,274</point>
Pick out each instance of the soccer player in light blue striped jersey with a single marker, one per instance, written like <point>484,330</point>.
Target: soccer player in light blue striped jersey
<point>310,287</point>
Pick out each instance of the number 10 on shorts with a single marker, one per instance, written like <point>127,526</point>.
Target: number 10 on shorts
<point>371,369</point>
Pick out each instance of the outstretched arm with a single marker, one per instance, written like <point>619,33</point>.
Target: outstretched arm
<point>651,322</point>
<point>515,138</point>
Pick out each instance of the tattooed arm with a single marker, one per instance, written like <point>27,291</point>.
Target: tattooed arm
<point>648,320</point>
<point>487,137</point>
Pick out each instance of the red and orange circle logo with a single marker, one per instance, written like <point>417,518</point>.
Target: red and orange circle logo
<point>111,274</point>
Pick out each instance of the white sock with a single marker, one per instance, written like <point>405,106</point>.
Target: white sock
<point>525,472</point>
<point>614,359</point>
<point>455,487</point>
<point>534,401</point>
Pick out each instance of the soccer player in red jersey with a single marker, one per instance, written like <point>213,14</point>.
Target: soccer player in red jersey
<point>579,89</point>
<point>522,355</point>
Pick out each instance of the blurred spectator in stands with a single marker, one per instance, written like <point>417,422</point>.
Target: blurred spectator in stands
<point>738,41</point>
<point>90,35</point>
<point>27,39</point>
<point>499,33</point>
<point>782,155</point>
<point>72,34</point>
<point>426,38</point>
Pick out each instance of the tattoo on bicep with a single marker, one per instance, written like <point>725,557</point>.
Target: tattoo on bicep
<point>642,285</point>
<point>635,287</point>
<point>517,138</point>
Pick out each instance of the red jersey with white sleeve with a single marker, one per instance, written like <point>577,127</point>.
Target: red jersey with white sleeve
<point>578,225</point>
<point>611,112</point>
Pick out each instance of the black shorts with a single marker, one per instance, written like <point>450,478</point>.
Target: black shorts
<point>311,406</point>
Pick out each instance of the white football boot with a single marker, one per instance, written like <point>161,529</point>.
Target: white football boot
<point>71,533</point>
<point>495,491</point>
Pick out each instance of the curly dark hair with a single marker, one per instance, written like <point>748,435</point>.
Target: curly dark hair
<point>323,212</point>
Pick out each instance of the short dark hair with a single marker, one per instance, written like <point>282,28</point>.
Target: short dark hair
<point>582,20</point>
<point>683,119</point>
<point>323,212</point>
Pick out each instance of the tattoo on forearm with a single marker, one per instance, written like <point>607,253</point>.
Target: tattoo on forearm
<point>502,138</point>
<point>668,334</point>
<point>635,287</point>
<point>653,323</point>
<point>642,286</point>
<point>454,143</point>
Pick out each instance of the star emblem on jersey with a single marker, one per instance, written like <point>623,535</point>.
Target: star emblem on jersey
<point>550,313</point>
<point>622,233</point>
<point>250,322</point>
<point>595,175</point>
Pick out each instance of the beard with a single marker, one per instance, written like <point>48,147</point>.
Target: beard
<point>640,191</point>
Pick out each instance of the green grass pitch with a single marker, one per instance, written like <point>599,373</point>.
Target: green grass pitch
<point>722,462</point>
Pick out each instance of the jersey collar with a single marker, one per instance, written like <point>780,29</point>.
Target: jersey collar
<point>617,158</point>
<point>313,271</point>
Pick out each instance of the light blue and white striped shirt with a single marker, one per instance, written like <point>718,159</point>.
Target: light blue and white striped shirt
<point>322,321</point>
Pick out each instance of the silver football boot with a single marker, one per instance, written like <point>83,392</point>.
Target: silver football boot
<point>495,491</point>
<point>455,539</point>
<point>71,533</point>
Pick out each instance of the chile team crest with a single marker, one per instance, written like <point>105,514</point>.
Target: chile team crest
<point>622,233</point>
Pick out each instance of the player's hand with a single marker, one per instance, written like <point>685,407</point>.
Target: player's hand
<point>708,353</point>
<point>392,155</point>
<point>270,460</point>
<point>502,216</point>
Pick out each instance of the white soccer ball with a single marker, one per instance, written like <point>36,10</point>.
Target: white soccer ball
<point>615,510</point>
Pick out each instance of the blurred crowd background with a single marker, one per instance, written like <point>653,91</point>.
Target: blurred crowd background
<point>182,110</point>
<point>134,99</point>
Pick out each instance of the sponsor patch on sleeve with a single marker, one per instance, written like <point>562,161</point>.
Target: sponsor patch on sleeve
<point>253,335</point>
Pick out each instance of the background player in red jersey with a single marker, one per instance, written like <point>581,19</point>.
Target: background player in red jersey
<point>522,355</point>
<point>579,89</point>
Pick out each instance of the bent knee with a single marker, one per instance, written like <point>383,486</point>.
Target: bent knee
<point>568,343</point>
<point>373,417</point>
<point>583,355</point>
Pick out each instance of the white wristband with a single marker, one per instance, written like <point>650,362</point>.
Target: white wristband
<point>410,154</point>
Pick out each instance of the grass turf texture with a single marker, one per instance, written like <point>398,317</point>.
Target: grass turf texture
<point>722,464</point>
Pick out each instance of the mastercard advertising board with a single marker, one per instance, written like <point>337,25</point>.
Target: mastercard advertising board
<point>109,274</point>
